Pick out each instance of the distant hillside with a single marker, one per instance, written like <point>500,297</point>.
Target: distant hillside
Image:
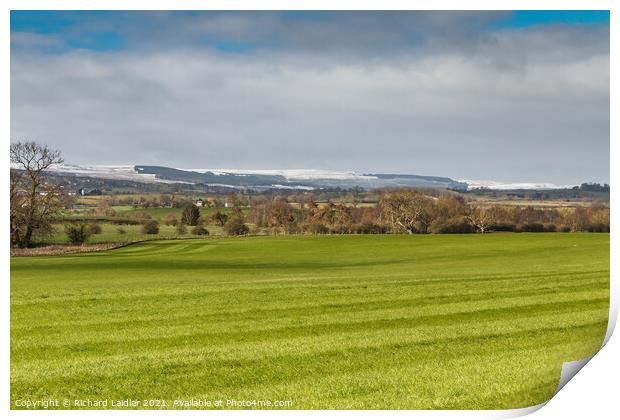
<point>152,178</point>
<point>296,179</point>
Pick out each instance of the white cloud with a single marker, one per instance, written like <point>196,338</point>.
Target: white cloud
<point>517,105</point>
<point>26,41</point>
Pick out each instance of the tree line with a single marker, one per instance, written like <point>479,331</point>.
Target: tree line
<point>36,203</point>
<point>413,212</point>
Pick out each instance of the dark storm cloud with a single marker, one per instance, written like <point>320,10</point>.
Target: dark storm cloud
<point>431,93</point>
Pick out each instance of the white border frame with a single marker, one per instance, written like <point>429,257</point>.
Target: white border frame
<point>593,392</point>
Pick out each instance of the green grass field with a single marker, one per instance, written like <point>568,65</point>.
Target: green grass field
<point>379,321</point>
<point>159,213</point>
<point>132,233</point>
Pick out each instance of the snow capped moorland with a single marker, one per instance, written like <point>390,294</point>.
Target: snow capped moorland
<point>499,185</point>
<point>289,173</point>
<point>129,173</point>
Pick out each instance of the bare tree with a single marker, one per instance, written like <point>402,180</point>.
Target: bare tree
<point>406,210</point>
<point>16,188</point>
<point>34,201</point>
<point>482,218</point>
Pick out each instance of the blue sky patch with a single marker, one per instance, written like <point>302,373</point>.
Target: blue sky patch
<point>118,30</point>
<point>527,18</point>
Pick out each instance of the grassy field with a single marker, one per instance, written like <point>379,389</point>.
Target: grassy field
<point>113,232</point>
<point>423,321</point>
<point>160,213</point>
<point>132,233</point>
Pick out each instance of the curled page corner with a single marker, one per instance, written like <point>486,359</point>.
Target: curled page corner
<point>519,412</point>
<point>613,314</point>
<point>569,370</point>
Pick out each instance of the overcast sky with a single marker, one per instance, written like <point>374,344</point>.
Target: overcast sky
<point>511,96</point>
